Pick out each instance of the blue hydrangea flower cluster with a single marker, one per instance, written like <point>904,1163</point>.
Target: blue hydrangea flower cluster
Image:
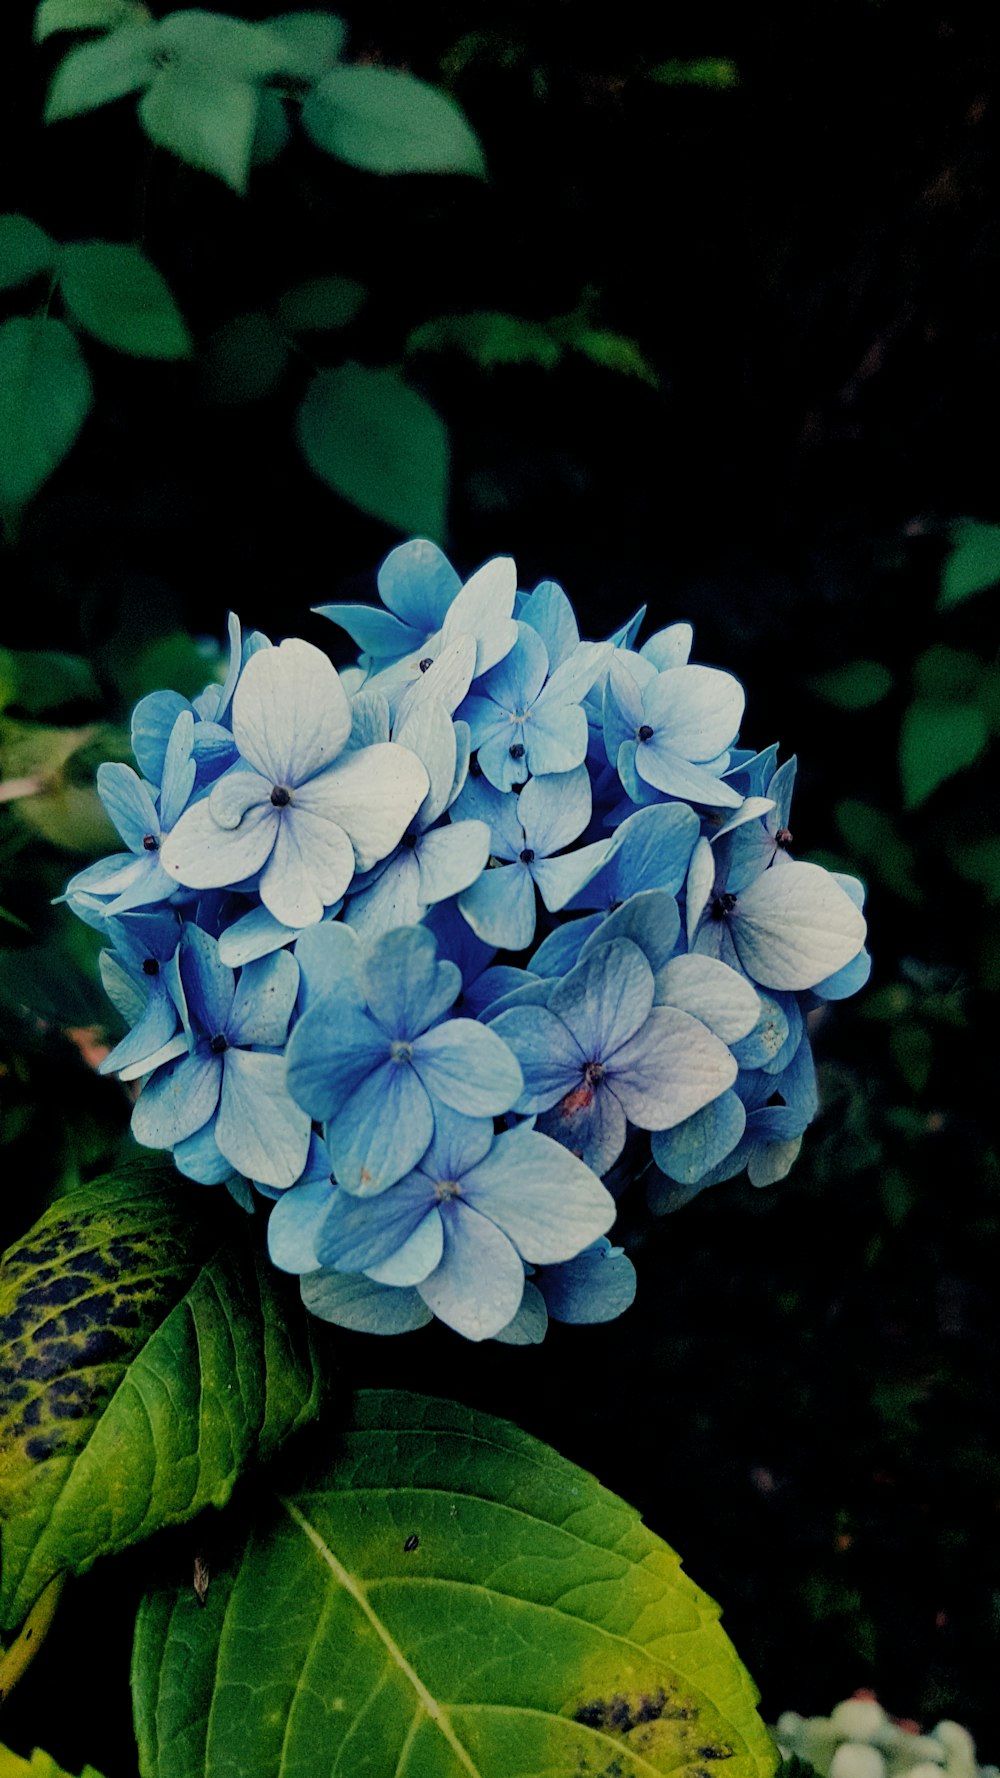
<point>443,951</point>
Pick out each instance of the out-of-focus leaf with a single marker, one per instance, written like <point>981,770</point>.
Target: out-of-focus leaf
<point>489,337</point>
<point>245,359</point>
<point>936,741</point>
<point>710,71</point>
<point>856,686</point>
<point>873,838</point>
<point>25,251</point>
<point>613,351</point>
<point>387,121</point>
<point>97,73</point>
<point>472,1602</point>
<point>208,121</point>
<point>980,863</point>
<point>43,681</point>
<point>52,803</point>
<point>86,15</point>
<point>119,296</point>
<point>40,1765</point>
<point>45,396</point>
<point>374,440</point>
<point>272,131</point>
<point>944,674</point>
<point>151,1354</point>
<point>315,39</point>
<point>321,303</point>
<point>174,660</point>
<point>973,565</point>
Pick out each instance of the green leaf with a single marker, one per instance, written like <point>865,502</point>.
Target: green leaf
<point>151,1355</point>
<point>489,337</point>
<point>711,71</point>
<point>936,741</point>
<point>973,565</point>
<point>40,1765</point>
<point>856,686</point>
<point>315,41</point>
<point>207,120</point>
<point>272,131</point>
<point>86,15</point>
<point>389,122</point>
<point>25,251</point>
<point>40,680</point>
<point>97,73</point>
<point>613,351</point>
<point>212,46</point>
<point>872,836</point>
<point>447,1597</point>
<point>944,674</point>
<point>119,296</point>
<point>45,396</point>
<point>378,443</point>
<point>245,359</point>
<point>321,303</point>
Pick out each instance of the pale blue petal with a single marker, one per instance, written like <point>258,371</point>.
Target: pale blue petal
<point>177,1100</point>
<point>128,803</point>
<point>791,1007</point>
<point>291,716</point>
<point>168,1052</point>
<point>200,1158</point>
<point>428,731</point>
<point>128,992</point>
<point>382,1131</point>
<point>480,801</point>
<point>551,1059</point>
<point>418,583</point>
<point>360,1233</point>
<point>846,981</point>
<point>178,770</point>
<point>477,1288</point>
<point>500,907</point>
<point>374,631</point>
<point>548,1203</point>
<point>156,1025</point>
<point>406,985</point>
<point>596,1286</point>
<point>651,850</point>
<point>203,855</point>
<point>450,859</point>
<point>108,876</point>
<point>310,866</point>
<point>795,926</point>
<point>723,1000</point>
<point>549,612</point>
<point>572,679</point>
<point>295,1223</point>
<point>669,648</point>
<point>622,702</point>
<point>418,1256</point>
<point>649,920</point>
<point>459,1143</point>
<point>668,771</point>
<point>557,954</point>
<point>670,1069</point>
<point>457,942</point>
<point>372,795</point>
<point>768,1165</point>
<point>447,679</point>
<point>469,1067</point>
<point>150,885</point>
<point>392,899</point>
<point>590,1123</point>
<point>239,790</point>
<point>700,883</point>
<point>370,720</point>
<point>260,1129</point>
<point>557,736</point>
<point>152,723</point>
<point>639,793</point>
<point>606,999</point>
<point>560,880</point>
<point>692,1148</point>
<point>331,1051</point>
<point>493,751</point>
<point>753,809</point>
<point>482,609</point>
<point>768,1037</point>
<point>696,711</point>
<point>208,986</point>
<point>529,1325</point>
<point>265,1001</point>
<point>492,987</point>
<point>554,811</point>
<point>361,1305</point>
<point>329,957</point>
<point>256,934</point>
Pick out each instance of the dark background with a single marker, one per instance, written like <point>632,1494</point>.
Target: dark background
<point>804,1398</point>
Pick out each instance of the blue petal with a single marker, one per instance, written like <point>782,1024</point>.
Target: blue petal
<point>260,1129</point>
<point>846,981</point>
<point>599,1285</point>
<point>152,723</point>
<point>649,920</point>
<point>332,1050</point>
<point>795,926</point>
<point>310,866</point>
<point>556,737</point>
<point>329,957</point>
<point>530,1324</point>
<point>695,711</point>
<point>590,1123</point>
<point>360,1233</point>
<point>418,1256</point>
<point>155,1027</point>
<point>500,907</point>
<point>669,648</point>
<point>428,731</point>
<point>200,1159</point>
<point>551,1058</point>
<point>554,811</point>
<point>291,716</point>
<point>493,986</point>
<point>264,1002</point>
<point>178,770</point>
<point>207,984</point>
<point>560,879</point>
<point>457,942</point>
<point>295,1223</point>
<point>477,1288</point>
<point>481,801</point>
<point>418,583</point>
<point>177,1101</point>
<point>376,632</point>
<point>129,804</point>
<point>549,612</point>
<point>722,999</point>
<point>605,999</point>
<point>450,859</point>
<point>692,1148</point>
<point>256,934</point>
<point>469,1067</point>
<point>651,850</point>
<point>382,1131</point>
<point>670,1069</point>
<point>407,987</point>
<point>675,776</point>
<point>516,681</point>
<point>548,1203</point>
<point>372,795</point>
<point>482,609</point>
<point>362,1305</point>
<point>557,954</point>
<point>391,899</point>
<point>203,855</point>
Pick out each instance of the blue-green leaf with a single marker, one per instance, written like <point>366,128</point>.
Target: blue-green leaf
<point>315,41</point>
<point>489,337</point>
<point>119,296</point>
<point>206,119</point>
<point>936,741</point>
<point>86,15</point>
<point>96,73</point>
<point>856,686</point>
<point>378,443</point>
<point>45,396</point>
<point>25,251</point>
<point>710,71</point>
<point>446,1596</point>
<point>974,562</point>
<point>389,122</point>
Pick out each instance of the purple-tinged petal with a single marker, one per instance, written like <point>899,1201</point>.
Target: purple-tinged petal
<point>670,1069</point>
<point>551,1059</point>
<point>590,1123</point>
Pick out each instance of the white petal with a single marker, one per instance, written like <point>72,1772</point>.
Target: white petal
<point>291,716</point>
<point>373,795</point>
<point>203,855</point>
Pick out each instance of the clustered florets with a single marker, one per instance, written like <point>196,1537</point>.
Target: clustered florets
<point>303,936</point>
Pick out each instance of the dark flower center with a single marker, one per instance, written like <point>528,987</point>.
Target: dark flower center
<point>428,661</point>
<point>783,837</point>
<point>527,856</point>
<point>517,750</point>
<point>475,769</point>
<point>281,797</point>
<point>723,906</point>
<point>645,733</point>
<point>150,966</point>
<point>593,1073</point>
<point>409,839</point>
<point>218,1045</point>
<point>150,843</point>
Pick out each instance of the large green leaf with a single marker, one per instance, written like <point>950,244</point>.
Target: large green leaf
<point>380,444</point>
<point>973,565</point>
<point>389,122</point>
<point>150,1355</point>
<point>315,41</point>
<point>119,296</point>
<point>206,119</point>
<point>448,1597</point>
<point>86,15</point>
<point>96,73</point>
<point>45,396</point>
<point>25,251</point>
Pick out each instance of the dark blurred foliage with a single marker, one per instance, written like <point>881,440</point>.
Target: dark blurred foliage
<point>804,1398</point>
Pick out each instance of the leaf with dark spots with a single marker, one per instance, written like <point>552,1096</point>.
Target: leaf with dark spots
<point>131,1399</point>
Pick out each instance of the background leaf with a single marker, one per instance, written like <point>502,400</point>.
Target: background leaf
<point>147,1343</point>
<point>40,1765</point>
<point>857,686</point>
<point>245,359</point>
<point>85,15</point>
<point>710,71</point>
<point>450,1596</point>
<point>95,74</point>
<point>489,337</point>
<point>321,303</point>
<point>207,119</point>
<point>25,251</point>
<point>316,40</point>
<point>45,396</point>
<point>389,122</point>
<point>973,565</point>
<point>120,297</point>
<point>378,443</point>
<point>936,741</point>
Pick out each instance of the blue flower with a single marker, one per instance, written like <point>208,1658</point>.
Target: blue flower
<point>459,1227</point>
<point>375,1055</point>
<point>598,1285</point>
<point>137,878</point>
<point>231,1084</point>
<point>135,977</point>
<point>526,717</point>
<point>289,812</point>
<point>670,730</point>
<point>526,833</point>
<point>790,928</point>
<point>599,1055</point>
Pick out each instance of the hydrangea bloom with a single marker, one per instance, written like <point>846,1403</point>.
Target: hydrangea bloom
<point>433,958</point>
